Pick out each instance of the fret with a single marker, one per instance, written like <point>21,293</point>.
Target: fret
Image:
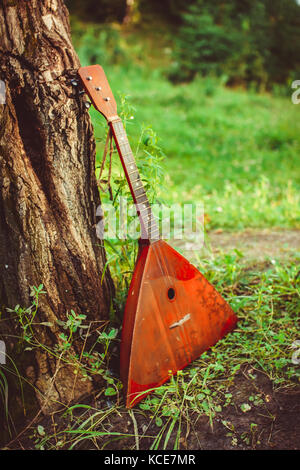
<point>144,213</point>
<point>119,129</point>
<point>129,162</point>
<point>121,135</point>
<point>146,216</point>
<point>137,186</point>
<point>142,203</point>
<point>143,210</point>
<point>137,180</point>
<point>131,172</point>
<point>142,197</point>
<point>142,206</point>
<point>118,126</point>
<point>126,155</point>
<point>152,232</point>
<point>149,218</point>
<point>156,237</point>
<point>148,222</point>
<point>126,145</point>
<point>144,194</point>
<point>137,192</point>
<point>122,140</point>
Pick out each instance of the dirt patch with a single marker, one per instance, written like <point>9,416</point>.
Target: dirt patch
<point>270,421</point>
<point>255,245</point>
<point>258,244</point>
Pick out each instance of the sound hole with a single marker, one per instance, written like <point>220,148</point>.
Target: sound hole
<point>171,293</point>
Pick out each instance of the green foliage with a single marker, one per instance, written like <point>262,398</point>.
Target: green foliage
<point>99,44</point>
<point>26,316</point>
<point>254,43</point>
<point>169,10</point>
<point>266,304</point>
<point>250,43</point>
<point>98,10</point>
<point>204,46</point>
<point>236,151</point>
<point>92,360</point>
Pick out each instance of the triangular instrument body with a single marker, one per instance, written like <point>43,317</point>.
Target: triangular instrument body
<point>172,315</point>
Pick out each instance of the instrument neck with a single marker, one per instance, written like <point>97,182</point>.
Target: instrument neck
<point>149,226</point>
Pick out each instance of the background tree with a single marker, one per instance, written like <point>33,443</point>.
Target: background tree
<point>248,42</point>
<point>101,11</point>
<point>48,201</point>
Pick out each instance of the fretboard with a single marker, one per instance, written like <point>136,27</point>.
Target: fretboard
<point>149,226</point>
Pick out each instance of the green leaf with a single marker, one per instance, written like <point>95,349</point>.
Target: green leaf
<point>245,407</point>
<point>113,333</point>
<point>41,430</point>
<point>46,323</point>
<point>200,396</point>
<point>110,391</point>
<point>158,422</point>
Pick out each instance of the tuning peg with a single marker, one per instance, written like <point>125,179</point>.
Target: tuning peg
<point>74,82</point>
<point>87,104</point>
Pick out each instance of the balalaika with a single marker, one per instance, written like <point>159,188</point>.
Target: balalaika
<point>172,314</point>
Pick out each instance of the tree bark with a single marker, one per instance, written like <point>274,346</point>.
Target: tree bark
<point>48,194</point>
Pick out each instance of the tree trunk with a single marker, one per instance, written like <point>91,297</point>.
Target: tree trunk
<point>48,196</point>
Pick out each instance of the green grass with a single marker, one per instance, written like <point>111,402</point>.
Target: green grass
<point>236,151</point>
<point>267,304</point>
<point>233,149</point>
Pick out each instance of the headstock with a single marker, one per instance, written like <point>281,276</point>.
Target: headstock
<point>96,85</point>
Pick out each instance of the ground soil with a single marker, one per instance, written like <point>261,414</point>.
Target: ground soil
<point>255,245</point>
<point>271,424</point>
